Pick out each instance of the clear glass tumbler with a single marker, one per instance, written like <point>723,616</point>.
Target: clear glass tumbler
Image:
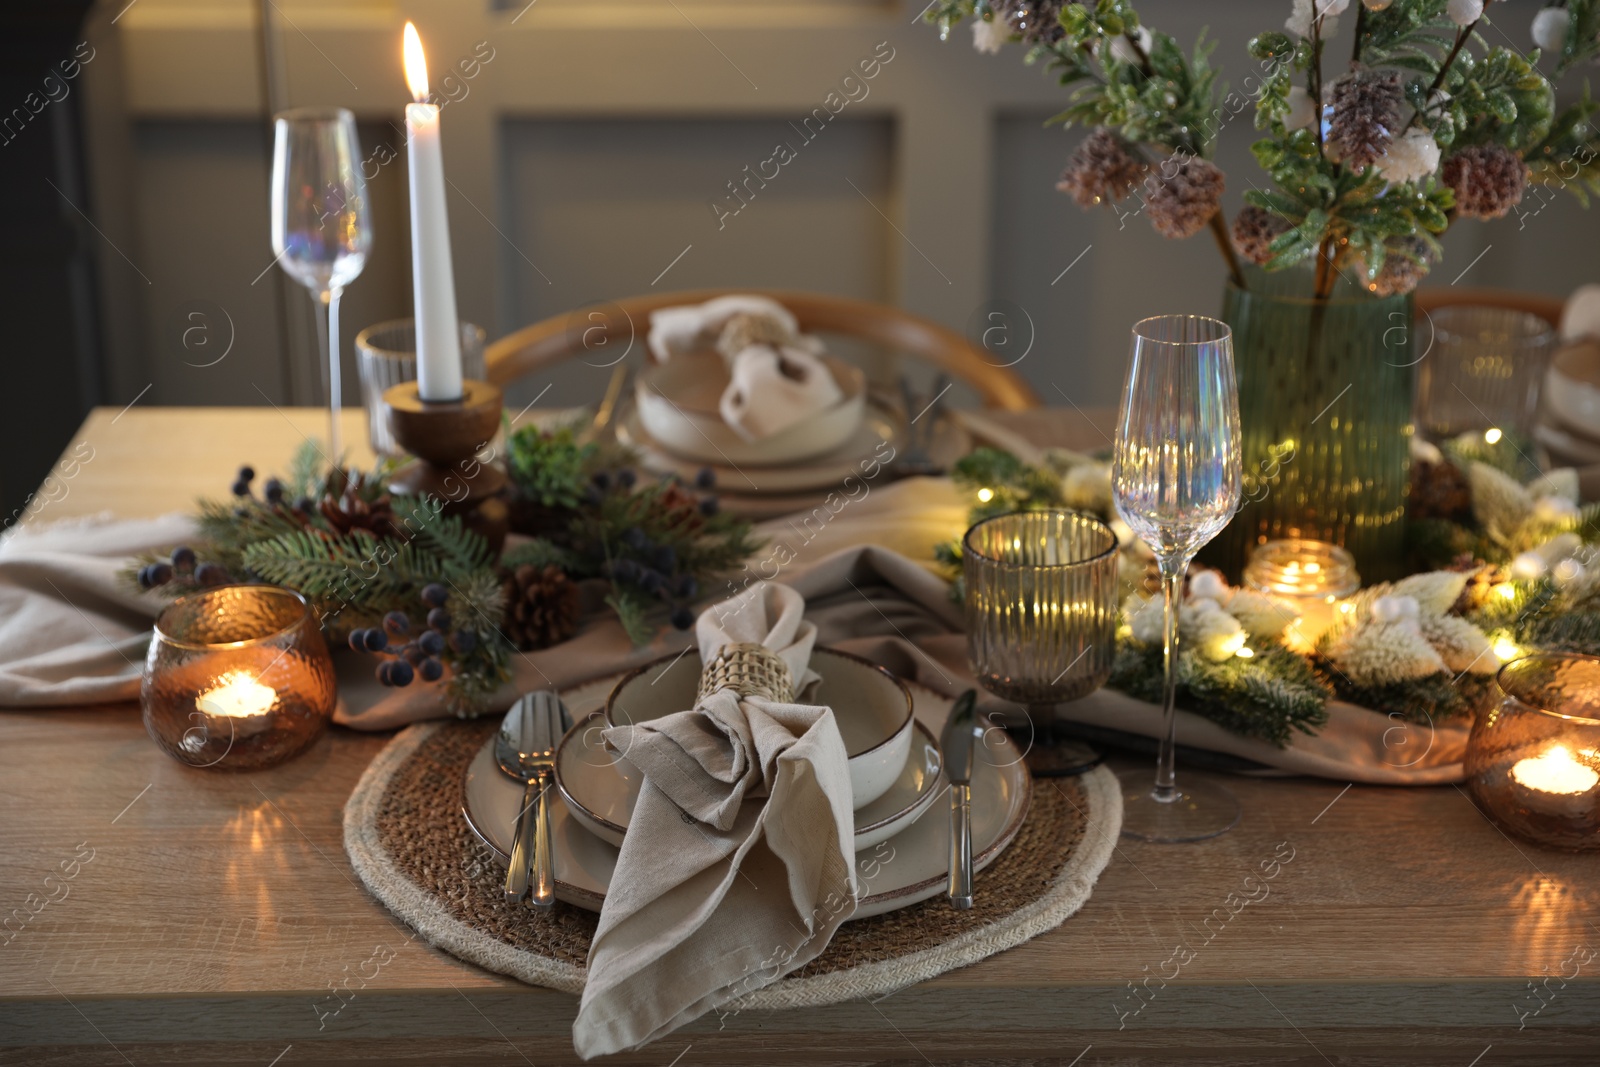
<point>1484,370</point>
<point>237,678</point>
<point>1041,609</point>
<point>386,354</point>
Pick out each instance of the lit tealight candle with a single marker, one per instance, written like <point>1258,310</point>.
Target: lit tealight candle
<point>1312,575</point>
<point>240,699</point>
<point>1556,782</point>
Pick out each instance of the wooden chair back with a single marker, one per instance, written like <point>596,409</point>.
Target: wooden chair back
<point>610,328</point>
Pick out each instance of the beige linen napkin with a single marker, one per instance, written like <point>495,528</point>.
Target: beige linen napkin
<point>738,865</point>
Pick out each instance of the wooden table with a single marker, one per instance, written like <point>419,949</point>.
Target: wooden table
<point>218,912</point>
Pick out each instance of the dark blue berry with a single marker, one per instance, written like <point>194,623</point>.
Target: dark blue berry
<point>272,489</point>
<point>397,623</point>
<point>385,672</point>
<point>210,574</point>
<point>626,478</point>
<point>160,573</point>
<point>601,480</point>
<point>247,473</point>
<point>412,653</point>
<point>375,640</point>
<point>144,577</point>
<point>241,488</point>
<point>682,617</point>
<point>183,557</point>
<point>400,672</point>
<point>464,641</point>
<point>358,640</point>
<point>666,559</point>
<point>435,594</point>
<point>710,506</point>
<point>651,581</point>
<point>635,538</point>
<point>685,586</point>
<point>438,619</point>
<point>431,642</point>
<point>705,478</point>
<point>303,503</point>
<point>430,669</point>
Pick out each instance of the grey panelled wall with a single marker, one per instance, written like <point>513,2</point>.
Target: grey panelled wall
<point>621,206</point>
<point>593,140</point>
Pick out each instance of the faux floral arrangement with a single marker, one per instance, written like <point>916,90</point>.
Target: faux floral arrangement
<point>1503,568</point>
<point>1427,122</point>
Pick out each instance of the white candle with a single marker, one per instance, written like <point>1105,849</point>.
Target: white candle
<point>433,283</point>
<point>239,702</point>
<point>1556,782</point>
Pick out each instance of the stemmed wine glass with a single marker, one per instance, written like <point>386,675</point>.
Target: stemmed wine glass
<point>1176,475</point>
<point>321,222</point>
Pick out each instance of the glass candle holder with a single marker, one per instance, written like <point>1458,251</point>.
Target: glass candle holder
<point>1312,575</point>
<point>237,678</point>
<point>1533,760</point>
<point>1041,612</point>
<point>1484,372</point>
<point>386,354</point>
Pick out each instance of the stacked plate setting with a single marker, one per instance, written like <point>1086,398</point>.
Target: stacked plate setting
<point>889,728</point>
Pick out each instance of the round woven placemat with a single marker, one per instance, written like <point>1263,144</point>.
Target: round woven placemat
<point>408,841</point>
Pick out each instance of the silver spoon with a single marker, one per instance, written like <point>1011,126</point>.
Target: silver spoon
<point>525,750</point>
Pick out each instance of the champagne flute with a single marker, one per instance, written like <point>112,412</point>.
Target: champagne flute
<point>321,223</point>
<point>1177,475</point>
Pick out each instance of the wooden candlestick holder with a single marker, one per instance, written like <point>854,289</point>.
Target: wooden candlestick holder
<point>446,437</point>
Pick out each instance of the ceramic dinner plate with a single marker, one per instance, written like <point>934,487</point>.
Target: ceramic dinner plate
<point>869,449</point>
<point>892,873</point>
<point>600,788</point>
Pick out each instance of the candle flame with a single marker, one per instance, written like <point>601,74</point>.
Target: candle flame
<point>416,65</point>
<point>236,695</point>
<point>1556,771</point>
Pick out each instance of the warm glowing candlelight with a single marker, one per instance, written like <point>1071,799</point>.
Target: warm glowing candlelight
<point>238,696</point>
<point>1556,771</point>
<point>1312,575</point>
<point>433,284</point>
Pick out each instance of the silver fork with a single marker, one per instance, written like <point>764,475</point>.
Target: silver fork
<point>525,750</point>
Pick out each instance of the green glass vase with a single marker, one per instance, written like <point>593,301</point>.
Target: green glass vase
<point>1325,403</point>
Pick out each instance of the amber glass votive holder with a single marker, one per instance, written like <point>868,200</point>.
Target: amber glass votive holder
<point>1533,760</point>
<point>237,678</point>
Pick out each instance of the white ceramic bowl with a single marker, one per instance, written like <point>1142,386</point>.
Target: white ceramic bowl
<point>1572,387</point>
<point>678,407</point>
<point>871,706</point>
<point>600,788</point>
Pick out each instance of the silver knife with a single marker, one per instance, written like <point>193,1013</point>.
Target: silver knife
<point>956,743</point>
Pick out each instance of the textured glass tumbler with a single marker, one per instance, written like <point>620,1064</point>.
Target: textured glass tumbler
<point>1533,760</point>
<point>1041,612</point>
<point>1484,369</point>
<point>237,678</point>
<point>386,354</point>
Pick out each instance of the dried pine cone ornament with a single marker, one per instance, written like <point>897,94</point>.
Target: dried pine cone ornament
<point>1037,21</point>
<point>1253,231</point>
<point>1179,206</point>
<point>542,607</point>
<point>1488,180</point>
<point>1439,491</point>
<point>1402,272</point>
<point>1365,114</point>
<point>1101,170</point>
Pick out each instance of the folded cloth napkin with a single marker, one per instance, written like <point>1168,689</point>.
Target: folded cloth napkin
<point>738,865</point>
<point>777,378</point>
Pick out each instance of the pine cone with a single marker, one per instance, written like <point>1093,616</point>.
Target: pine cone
<point>1400,272</point>
<point>541,606</point>
<point>348,513</point>
<point>1253,231</point>
<point>682,508</point>
<point>1101,170</point>
<point>1180,205</point>
<point>1365,114</point>
<point>1488,180</point>
<point>1038,21</point>
<point>1440,491</point>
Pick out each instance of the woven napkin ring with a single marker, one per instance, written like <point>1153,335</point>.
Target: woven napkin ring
<point>750,670</point>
